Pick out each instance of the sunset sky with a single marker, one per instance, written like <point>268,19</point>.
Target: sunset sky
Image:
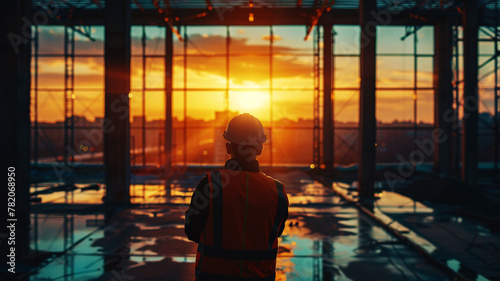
<point>249,73</point>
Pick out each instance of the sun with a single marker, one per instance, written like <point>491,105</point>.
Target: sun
<point>256,103</point>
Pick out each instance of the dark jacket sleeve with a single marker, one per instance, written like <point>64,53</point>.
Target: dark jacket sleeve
<point>197,214</point>
<point>285,212</point>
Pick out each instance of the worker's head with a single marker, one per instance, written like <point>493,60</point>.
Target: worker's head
<point>245,135</point>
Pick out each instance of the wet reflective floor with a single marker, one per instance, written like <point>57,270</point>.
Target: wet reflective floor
<point>325,239</point>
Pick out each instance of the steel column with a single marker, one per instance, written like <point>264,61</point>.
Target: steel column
<point>185,123</point>
<point>169,53</point>
<point>143,121</point>
<point>15,81</point>
<point>327,98</point>
<point>271,98</point>
<point>116,102</point>
<point>443,95</point>
<point>35,89</point>
<point>367,121</point>
<point>470,100</point>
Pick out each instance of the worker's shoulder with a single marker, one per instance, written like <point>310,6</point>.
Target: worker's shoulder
<point>271,178</point>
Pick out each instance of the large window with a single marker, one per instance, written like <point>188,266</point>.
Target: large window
<point>221,71</point>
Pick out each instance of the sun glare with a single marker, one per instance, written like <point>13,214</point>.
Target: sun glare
<point>248,101</point>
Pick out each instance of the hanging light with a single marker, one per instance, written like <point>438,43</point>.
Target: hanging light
<point>250,17</point>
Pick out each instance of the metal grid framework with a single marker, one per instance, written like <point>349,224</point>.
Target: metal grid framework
<point>489,28</point>
<point>200,4</point>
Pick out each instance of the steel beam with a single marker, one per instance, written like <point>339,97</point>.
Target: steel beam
<point>239,16</point>
<point>169,53</point>
<point>327,97</point>
<point>116,102</point>
<point>367,121</point>
<point>471,99</point>
<point>15,80</point>
<point>443,96</point>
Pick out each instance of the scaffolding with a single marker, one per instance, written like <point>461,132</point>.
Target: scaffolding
<point>317,72</point>
<point>69,95</point>
<point>412,29</point>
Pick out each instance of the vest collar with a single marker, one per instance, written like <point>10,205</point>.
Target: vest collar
<point>242,165</point>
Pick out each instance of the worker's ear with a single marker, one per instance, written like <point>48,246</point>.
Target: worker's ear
<point>259,149</point>
<point>228,148</point>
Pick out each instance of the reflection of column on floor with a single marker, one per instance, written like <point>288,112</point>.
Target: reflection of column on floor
<point>116,257</point>
<point>365,232</point>
<point>328,269</point>
<point>68,232</point>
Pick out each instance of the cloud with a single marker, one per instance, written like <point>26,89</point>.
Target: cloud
<point>52,42</point>
<point>267,37</point>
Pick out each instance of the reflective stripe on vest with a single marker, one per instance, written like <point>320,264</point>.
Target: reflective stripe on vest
<point>280,214</point>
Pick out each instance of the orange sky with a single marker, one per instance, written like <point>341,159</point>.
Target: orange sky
<point>249,75</point>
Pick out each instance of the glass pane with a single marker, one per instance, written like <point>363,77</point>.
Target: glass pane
<point>89,143</point>
<point>249,72</point>
<point>389,40</point>
<point>207,40</point>
<point>51,73</point>
<point>136,40</point>
<point>155,108</point>
<point>487,102</point>
<point>178,75</point>
<point>346,72</point>
<point>346,146</point>
<point>293,108</point>
<point>486,48</point>
<point>136,107</point>
<point>155,73</point>
<point>203,149</point>
<point>155,40</point>
<point>394,144</point>
<point>84,45</point>
<point>395,107</point>
<point>51,142</point>
<point>51,39</point>
<point>346,108</point>
<point>425,75</point>
<point>206,72</point>
<point>249,40</point>
<point>89,105</point>
<point>425,108</point>
<point>292,71</point>
<point>89,73</point>
<point>178,45</point>
<point>292,145</point>
<point>288,40</point>
<point>178,107</point>
<point>50,106</point>
<point>254,102</point>
<point>346,39</point>
<point>203,107</point>
<point>136,73</point>
<point>425,37</point>
<point>394,72</point>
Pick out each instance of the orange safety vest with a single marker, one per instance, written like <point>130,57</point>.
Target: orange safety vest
<point>240,238</point>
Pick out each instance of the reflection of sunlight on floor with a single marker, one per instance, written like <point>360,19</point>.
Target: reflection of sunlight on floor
<point>323,236</point>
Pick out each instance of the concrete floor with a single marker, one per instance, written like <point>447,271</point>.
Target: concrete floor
<point>325,239</point>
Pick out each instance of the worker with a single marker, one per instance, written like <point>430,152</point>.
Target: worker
<point>237,214</point>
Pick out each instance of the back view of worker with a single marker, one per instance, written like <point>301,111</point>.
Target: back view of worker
<point>237,214</point>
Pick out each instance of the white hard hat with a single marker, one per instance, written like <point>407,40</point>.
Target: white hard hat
<point>245,129</point>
